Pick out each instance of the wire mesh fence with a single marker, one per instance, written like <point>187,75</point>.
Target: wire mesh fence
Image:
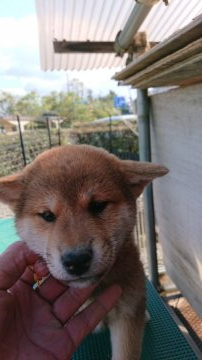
<point>19,147</point>
<point>10,158</point>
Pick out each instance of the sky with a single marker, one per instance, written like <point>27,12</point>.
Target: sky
<point>20,63</point>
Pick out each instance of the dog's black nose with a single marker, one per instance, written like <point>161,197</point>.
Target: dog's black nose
<point>77,262</point>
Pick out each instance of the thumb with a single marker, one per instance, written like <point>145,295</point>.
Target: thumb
<point>13,263</point>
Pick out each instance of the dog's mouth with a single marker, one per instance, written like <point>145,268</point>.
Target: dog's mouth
<point>86,279</point>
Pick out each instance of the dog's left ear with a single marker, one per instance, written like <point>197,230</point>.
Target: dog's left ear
<point>140,174</point>
<point>10,189</point>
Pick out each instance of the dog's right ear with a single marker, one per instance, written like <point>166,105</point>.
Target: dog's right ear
<point>10,188</point>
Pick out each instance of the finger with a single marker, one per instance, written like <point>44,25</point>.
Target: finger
<point>13,263</point>
<point>82,324</point>
<point>51,289</point>
<point>40,268</point>
<point>70,301</point>
<point>28,276</point>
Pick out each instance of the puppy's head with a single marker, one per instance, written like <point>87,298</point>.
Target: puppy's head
<point>75,206</point>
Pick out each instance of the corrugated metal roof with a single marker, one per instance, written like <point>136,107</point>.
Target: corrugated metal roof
<point>100,20</point>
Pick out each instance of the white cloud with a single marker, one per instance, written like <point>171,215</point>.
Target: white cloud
<point>19,54</point>
<point>5,62</point>
<point>45,84</point>
<point>15,33</point>
<point>16,91</point>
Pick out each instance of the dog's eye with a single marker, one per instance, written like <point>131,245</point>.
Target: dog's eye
<point>97,207</point>
<point>48,216</point>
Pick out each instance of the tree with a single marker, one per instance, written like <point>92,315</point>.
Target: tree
<point>103,106</point>
<point>64,104</point>
<point>51,102</point>
<point>7,104</point>
<point>28,105</point>
<point>69,106</point>
<point>72,106</point>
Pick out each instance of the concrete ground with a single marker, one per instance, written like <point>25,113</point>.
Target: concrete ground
<point>5,211</point>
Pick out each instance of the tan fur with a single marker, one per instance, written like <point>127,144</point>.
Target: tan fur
<point>65,181</point>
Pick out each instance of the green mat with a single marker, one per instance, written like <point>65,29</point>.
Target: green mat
<point>162,339</point>
<point>7,233</point>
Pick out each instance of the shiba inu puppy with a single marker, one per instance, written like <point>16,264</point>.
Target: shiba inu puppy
<point>75,206</point>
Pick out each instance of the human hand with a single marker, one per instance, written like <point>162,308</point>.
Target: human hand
<point>40,324</point>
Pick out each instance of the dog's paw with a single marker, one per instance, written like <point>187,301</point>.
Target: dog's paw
<point>147,316</point>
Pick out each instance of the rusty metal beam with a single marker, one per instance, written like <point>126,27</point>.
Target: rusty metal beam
<point>83,46</point>
<point>139,43</point>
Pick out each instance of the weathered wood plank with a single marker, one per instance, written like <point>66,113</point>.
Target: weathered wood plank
<point>162,65</point>
<point>186,72</point>
<point>175,42</point>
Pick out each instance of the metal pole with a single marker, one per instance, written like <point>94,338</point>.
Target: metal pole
<point>125,37</point>
<point>49,133</point>
<point>21,141</point>
<point>59,133</point>
<point>110,134</point>
<point>145,155</point>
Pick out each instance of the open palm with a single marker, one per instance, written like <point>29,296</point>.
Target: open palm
<point>39,324</point>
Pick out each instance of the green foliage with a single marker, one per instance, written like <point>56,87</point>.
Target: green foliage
<point>72,106</point>
<point>103,106</point>
<point>7,103</point>
<point>28,105</point>
<point>118,140</point>
<point>52,102</point>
